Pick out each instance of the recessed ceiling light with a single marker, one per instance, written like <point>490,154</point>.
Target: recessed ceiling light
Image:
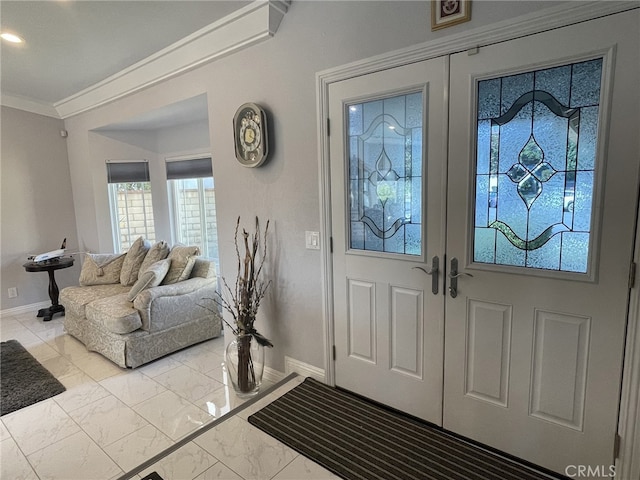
<point>11,37</point>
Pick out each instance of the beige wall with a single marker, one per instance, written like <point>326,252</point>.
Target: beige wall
<point>36,203</point>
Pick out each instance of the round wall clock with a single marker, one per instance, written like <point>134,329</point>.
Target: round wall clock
<point>250,135</point>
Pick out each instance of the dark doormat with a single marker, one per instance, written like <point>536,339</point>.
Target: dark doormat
<point>360,440</point>
<point>23,380</point>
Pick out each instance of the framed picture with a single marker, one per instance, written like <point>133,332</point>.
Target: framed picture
<point>445,13</point>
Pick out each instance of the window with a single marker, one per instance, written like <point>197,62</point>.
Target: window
<point>193,204</point>
<point>536,164</point>
<point>130,202</point>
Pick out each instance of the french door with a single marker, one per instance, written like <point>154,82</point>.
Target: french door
<point>390,228</point>
<point>495,305</point>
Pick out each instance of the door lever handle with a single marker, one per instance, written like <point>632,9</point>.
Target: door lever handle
<point>453,276</point>
<point>434,271</point>
<point>431,271</point>
<point>461,274</point>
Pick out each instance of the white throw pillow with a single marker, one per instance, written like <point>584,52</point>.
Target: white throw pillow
<point>151,277</point>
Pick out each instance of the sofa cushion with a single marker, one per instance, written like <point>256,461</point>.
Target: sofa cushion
<point>101,268</point>
<point>158,251</point>
<point>116,313</point>
<point>133,260</point>
<point>75,298</point>
<point>203,269</point>
<point>150,278</point>
<point>182,260</point>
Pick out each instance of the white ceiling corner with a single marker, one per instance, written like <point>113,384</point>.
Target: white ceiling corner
<point>247,26</point>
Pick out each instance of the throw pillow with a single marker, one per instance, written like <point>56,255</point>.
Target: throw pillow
<point>158,251</point>
<point>152,277</point>
<point>182,261</point>
<point>101,269</point>
<point>133,260</point>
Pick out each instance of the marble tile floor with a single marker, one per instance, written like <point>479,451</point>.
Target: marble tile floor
<point>110,421</point>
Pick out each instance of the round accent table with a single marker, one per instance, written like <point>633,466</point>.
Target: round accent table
<point>50,266</point>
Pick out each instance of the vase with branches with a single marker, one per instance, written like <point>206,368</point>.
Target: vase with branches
<point>244,356</point>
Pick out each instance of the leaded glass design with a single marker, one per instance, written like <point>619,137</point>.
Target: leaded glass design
<point>385,174</point>
<point>535,165</point>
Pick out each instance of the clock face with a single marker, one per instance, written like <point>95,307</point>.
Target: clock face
<point>250,132</point>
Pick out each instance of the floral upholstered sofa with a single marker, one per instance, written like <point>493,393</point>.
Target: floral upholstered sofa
<point>136,307</point>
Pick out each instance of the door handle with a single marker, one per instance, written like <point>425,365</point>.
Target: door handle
<point>453,277</point>
<point>434,272</point>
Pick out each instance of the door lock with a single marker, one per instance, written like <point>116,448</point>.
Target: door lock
<point>453,277</point>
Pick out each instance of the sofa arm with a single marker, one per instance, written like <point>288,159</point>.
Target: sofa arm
<point>165,306</point>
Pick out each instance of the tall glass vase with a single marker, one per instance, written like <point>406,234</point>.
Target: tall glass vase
<point>244,358</point>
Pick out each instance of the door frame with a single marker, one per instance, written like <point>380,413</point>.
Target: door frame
<point>525,25</point>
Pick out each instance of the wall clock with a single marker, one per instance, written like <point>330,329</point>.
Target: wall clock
<point>250,135</point>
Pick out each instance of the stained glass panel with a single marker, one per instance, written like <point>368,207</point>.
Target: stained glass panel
<point>536,152</point>
<point>385,174</point>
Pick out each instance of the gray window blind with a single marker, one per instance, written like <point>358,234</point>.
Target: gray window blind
<point>124,172</point>
<point>194,168</point>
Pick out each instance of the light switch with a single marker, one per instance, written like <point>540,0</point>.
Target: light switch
<point>312,240</point>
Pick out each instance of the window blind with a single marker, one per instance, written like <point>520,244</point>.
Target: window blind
<point>124,172</point>
<point>194,168</point>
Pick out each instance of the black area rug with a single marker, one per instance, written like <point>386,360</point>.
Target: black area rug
<point>23,381</point>
<point>359,440</point>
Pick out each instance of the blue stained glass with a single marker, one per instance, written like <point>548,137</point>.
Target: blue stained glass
<point>489,98</point>
<point>414,110</point>
<point>355,120</point>
<point>583,201</point>
<point>485,245</point>
<point>416,200</point>
<point>508,254</point>
<point>550,132</point>
<point>575,252</point>
<point>511,209</point>
<point>547,256</point>
<point>413,239</point>
<point>483,146</point>
<point>482,198</point>
<point>513,137</point>
<point>556,81</point>
<point>357,235</point>
<point>385,168</point>
<point>547,209</point>
<point>588,138</point>
<point>513,87</point>
<point>535,207</point>
<point>585,83</point>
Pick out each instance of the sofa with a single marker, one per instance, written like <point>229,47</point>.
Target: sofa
<point>136,307</point>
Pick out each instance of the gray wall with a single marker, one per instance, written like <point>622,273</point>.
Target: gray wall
<point>280,75</point>
<point>37,206</point>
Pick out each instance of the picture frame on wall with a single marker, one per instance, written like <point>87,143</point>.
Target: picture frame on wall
<point>445,13</point>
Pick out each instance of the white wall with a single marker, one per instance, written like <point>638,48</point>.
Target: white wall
<point>37,206</point>
<point>279,74</point>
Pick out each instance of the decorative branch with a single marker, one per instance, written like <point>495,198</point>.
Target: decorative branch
<point>243,302</point>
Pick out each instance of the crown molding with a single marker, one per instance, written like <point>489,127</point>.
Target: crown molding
<point>247,26</point>
<point>29,105</point>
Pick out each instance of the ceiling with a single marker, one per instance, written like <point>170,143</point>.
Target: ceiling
<point>72,45</point>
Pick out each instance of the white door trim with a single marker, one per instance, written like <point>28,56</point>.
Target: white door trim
<point>543,20</point>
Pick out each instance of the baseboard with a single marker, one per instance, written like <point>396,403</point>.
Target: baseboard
<point>271,375</point>
<point>291,365</point>
<point>23,309</point>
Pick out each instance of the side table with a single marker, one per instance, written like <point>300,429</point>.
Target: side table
<point>50,266</point>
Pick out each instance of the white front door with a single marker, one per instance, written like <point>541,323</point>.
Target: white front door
<point>543,180</point>
<point>387,158</point>
<point>541,194</point>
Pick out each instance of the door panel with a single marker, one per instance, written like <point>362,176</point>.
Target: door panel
<point>387,152</point>
<point>534,340</point>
